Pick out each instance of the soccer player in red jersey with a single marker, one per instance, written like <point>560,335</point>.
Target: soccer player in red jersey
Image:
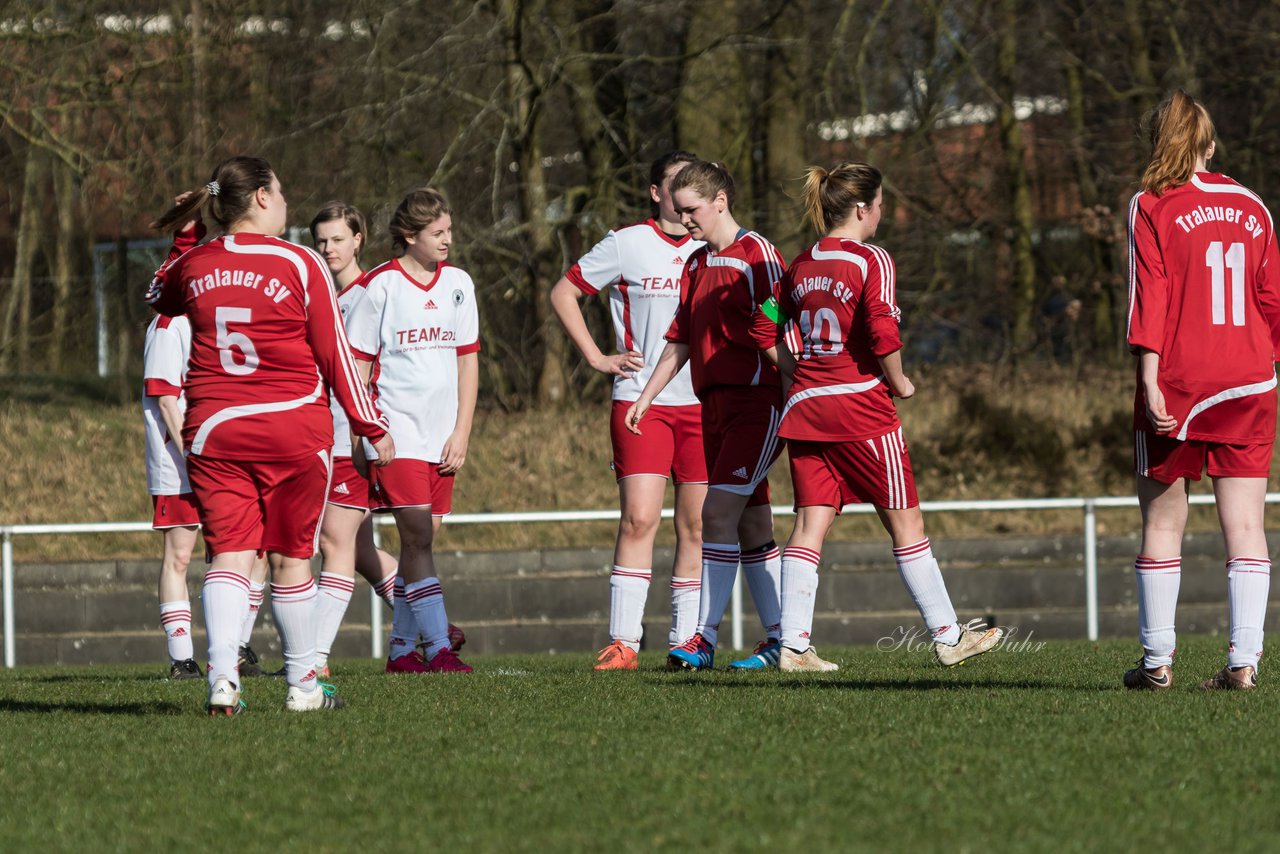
<point>266,343</point>
<point>724,283</point>
<point>642,264</point>
<point>1204,323</point>
<point>840,354</point>
<point>415,330</point>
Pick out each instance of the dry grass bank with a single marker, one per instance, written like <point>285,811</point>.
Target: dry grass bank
<point>70,452</point>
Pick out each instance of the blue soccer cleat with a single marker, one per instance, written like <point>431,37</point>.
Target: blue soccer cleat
<point>763,657</point>
<point>693,654</point>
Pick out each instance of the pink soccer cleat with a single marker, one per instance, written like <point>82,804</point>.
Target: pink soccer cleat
<point>447,661</point>
<point>412,662</point>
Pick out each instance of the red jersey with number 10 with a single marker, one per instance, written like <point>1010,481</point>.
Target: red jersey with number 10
<point>266,341</point>
<point>1203,294</point>
<point>720,295</point>
<point>838,317</point>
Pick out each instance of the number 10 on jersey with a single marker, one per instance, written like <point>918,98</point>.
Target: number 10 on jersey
<point>1219,262</point>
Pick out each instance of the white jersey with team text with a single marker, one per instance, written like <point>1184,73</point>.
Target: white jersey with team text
<point>164,372</point>
<point>642,264</point>
<point>415,331</point>
<point>348,297</point>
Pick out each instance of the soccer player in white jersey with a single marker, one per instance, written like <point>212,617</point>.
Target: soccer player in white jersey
<point>346,532</point>
<point>835,320</point>
<point>642,265</point>
<point>166,351</point>
<point>164,367</point>
<point>416,332</point>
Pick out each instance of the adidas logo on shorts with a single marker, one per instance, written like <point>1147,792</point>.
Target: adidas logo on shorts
<point>342,489</point>
<point>741,472</point>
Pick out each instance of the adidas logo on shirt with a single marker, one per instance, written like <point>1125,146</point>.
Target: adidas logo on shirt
<point>430,304</point>
<point>342,488</point>
<point>741,472</point>
<point>677,260</point>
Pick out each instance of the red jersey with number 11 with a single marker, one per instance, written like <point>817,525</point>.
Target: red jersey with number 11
<point>1203,294</point>
<point>266,341</point>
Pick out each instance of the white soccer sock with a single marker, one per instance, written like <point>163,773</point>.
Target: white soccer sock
<point>386,589</point>
<point>685,593</point>
<point>426,599</point>
<point>404,629</point>
<point>331,606</point>
<point>225,597</point>
<point>920,573</point>
<point>175,617</point>
<point>719,571</point>
<point>1248,582</point>
<point>1158,582</point>
<point>628,589</point>
<point>763,568</point>
<point>255,604</point>
<point>294,608</point>
<point>799,592</point>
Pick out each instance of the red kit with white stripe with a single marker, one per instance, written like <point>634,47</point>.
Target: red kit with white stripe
<point>267,339</point>
<point>1217,336</point>
<point>721,294</point>
<point>838,301</point>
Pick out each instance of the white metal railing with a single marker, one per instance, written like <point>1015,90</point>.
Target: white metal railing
<point>1089,506</point>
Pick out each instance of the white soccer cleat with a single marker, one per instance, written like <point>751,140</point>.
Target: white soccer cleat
<point>324,696</point>
<point>975,639</point>
<point>224,698</point>
<point>808,661</point>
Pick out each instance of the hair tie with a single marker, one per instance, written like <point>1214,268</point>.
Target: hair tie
<point>213,187</point>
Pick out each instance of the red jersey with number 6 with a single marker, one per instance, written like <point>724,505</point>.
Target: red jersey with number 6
<point>266,342</point>
<point>837,314</point>
<point>1203,294</point>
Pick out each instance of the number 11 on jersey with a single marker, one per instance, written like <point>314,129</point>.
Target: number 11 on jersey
<point>1219,262</point>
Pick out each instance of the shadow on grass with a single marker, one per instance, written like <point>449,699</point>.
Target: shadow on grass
<point>854,684</point>
<point>44,707</point>
<point>99,677</point>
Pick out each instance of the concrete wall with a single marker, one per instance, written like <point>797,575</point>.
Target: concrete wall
<point>558,601</point>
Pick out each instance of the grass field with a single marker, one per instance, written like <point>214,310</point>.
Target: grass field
<point>1026,749</point>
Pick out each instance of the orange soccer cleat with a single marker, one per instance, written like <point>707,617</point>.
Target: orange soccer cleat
<point>617,656</point>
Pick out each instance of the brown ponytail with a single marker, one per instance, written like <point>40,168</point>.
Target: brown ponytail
<point>227,195</point>
<point>1181,133</point>
<point>830,197</point>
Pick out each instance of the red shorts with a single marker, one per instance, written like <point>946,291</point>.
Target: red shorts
<point>1165,459</point>
<point>671,444</point>
<point>410,483</point>
<point>740,436</point>
<point>867,471</point>
<point>346,487</point>
<point>174,511</point>
<point>261,505</point>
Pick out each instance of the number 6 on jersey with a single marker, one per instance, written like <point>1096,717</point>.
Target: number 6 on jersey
<point>227,339</point>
